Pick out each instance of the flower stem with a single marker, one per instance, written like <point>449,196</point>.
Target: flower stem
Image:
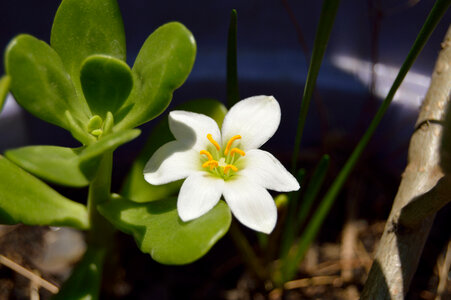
<point>249,256</point>
<point>101,230</point>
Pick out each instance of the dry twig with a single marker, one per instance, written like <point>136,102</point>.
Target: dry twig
<point>318,280</point>
<point>28,274</point>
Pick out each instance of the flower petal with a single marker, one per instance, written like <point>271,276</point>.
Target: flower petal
<point>265,170</point>
<point>251,204</point>
<point>199,193</point>
<point>192,128</point>
<point>256,119</point>
<point>171,162</point>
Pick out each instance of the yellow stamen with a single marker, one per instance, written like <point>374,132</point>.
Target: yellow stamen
<point>210,163</point>
<point>215,143</point>
<point>205,152</point>
<point>236,150</point>
<point>228,167</point>
<point>229,143</point>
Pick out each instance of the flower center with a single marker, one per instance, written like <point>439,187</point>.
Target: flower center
<point>222,163</point>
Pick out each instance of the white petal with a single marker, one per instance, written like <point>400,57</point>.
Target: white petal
<point>171,162</point>
<point>251,204</point>
<point>192,128</point>
<point>199,193</point>
<point>256,119</point>
<point>264,169</point>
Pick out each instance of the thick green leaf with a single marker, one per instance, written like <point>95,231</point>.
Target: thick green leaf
<point>159,231</point>
<point>84,282</point>
<point>26,199</point>
<point>40,83</point>
<point>108,143</point>
<point>139,190</point>
<point>106,83</point>
<point>4,89</point>
<point>58,165</point>
<point>85,27</point>
<point>162,65</point>
<point>66,166</point>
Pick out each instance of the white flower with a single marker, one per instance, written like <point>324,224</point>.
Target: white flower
<point>228,165</point>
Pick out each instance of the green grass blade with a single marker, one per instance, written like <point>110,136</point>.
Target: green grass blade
<point>233,95</point>
<point>312,190</point>
<point>326,22</point>
<point>314,225</point>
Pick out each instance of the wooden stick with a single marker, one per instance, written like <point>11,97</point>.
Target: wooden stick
<point>28,274</point>
<point>443,272</point>
<point>34,290</point>
<point>402,242</point>
<point>318,280</point>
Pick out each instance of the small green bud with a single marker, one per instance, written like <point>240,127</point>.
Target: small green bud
<point>97,132</point>
<point>95,123</point>
<point>281,200</point>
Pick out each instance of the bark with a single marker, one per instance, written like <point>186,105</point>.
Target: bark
<point>424,189</point>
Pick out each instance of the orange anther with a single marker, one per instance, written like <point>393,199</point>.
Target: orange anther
<point>215,143</point>
<point>228,167</point>
<point>236,150</point>
<point>229,143</point>
<point>210,163</point>
<point>208,154</point>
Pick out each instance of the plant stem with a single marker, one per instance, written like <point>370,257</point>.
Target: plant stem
<point>249,256</point>
<point>101,230</point>
<point>290,230</point>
